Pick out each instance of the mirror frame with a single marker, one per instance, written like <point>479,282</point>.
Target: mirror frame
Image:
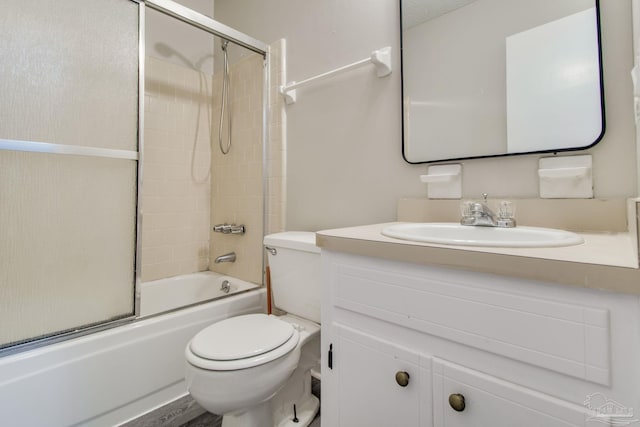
<point>552,151</point>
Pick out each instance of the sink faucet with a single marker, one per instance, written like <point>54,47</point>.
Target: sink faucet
<point>230,257</point>
<point>480,214</point>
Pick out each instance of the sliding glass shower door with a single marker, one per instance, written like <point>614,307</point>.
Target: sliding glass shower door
<point>69,85</point>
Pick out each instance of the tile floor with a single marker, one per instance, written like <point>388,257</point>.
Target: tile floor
<point>205,420</point>
<point>185,412</point>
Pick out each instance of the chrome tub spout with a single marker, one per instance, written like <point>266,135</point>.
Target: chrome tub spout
<point>230,257</point>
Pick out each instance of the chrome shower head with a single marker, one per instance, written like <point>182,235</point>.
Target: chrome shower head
<point>164,49</point>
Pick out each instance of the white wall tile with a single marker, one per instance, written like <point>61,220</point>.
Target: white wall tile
<point>176,193</point>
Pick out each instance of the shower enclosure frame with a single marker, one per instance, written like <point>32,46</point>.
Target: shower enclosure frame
<point>209,25</point>
<point>215,28</point>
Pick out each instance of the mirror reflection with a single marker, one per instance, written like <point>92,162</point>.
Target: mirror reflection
<point>497,77</point>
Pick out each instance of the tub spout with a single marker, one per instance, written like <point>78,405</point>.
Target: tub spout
<point>230,257</point>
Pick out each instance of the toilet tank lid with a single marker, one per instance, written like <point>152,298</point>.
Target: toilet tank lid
<point>297,240</point>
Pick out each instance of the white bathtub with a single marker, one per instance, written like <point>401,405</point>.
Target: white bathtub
<point>163,295</point>
<point>109,377</point>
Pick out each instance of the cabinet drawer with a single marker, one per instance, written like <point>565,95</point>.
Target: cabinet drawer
<point>489,401</point>
<point>563,337</point>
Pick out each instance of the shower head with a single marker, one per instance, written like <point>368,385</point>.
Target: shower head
<point>164,49</point>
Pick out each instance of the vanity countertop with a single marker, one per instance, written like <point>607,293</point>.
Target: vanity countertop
<point>606,261</point>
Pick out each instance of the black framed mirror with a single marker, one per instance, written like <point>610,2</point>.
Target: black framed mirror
<point>486,78</point>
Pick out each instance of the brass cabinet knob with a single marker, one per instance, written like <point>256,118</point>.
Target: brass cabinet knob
<point>402,378</point>
<point>456,400</point>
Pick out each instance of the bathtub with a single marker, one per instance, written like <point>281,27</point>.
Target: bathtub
<point>109,377</point>
<point>163,295</point>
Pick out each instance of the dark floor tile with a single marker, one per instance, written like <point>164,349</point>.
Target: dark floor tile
<point>173,414</point>
<point>186,412</point>
<point>205,420</point>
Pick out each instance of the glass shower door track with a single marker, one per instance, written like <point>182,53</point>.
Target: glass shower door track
<point>207,24</point>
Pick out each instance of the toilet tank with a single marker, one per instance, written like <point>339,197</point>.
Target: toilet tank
<point>295,273</point>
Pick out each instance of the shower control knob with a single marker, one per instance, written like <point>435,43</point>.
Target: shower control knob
<point>402,378</point>
<point>237,229</point>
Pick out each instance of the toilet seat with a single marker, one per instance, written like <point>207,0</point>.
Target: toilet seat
<point>242,342</point>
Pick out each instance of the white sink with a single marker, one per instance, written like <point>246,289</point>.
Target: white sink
<point>465,235</point>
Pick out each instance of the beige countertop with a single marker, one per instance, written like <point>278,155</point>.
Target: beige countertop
<point>607,261</point>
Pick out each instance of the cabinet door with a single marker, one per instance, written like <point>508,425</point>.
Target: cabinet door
<point>367,390</point>
<point>489,401</point>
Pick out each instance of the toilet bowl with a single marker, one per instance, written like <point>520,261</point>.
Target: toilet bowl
<point>255,369</point>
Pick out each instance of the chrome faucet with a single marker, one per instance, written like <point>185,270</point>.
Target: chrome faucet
<point>230,257</point>
<point>480,214</point>
<point>229,228</point>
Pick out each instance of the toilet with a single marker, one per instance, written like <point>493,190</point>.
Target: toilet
<point>256,369</point>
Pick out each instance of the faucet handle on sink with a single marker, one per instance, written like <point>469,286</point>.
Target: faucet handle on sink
<point>506,214</point>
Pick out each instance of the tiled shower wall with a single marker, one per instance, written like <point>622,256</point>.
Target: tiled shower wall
<point>181,201</point>
<point>237,178</point>
<point>176,185</point>
<point>276,154</point>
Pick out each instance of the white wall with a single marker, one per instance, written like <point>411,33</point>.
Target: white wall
<point>344,135</point>
<point>636,50</point>
<point>344,160</point>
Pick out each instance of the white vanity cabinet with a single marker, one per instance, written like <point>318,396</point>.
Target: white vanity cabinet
<point>400,339</point>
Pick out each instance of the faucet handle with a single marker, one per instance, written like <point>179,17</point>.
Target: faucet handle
<point>507,209</point>
<point>465,208</point>
<point>506,214</point>
<point>229,228</point>
<point>219,228</point>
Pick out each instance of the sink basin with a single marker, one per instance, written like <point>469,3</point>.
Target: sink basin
<point>464,235</point>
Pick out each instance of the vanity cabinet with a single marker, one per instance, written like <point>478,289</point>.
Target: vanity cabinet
<point>413,345</point>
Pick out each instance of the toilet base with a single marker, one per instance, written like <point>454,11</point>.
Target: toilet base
<point>305,413</point>
<point>262,416</point>
<point>297,391</point>
<point>257,416</point>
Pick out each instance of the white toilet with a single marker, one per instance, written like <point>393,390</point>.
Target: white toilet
<point>255,369</point>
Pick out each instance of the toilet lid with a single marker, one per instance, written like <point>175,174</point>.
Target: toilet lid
<point>241,337</point>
